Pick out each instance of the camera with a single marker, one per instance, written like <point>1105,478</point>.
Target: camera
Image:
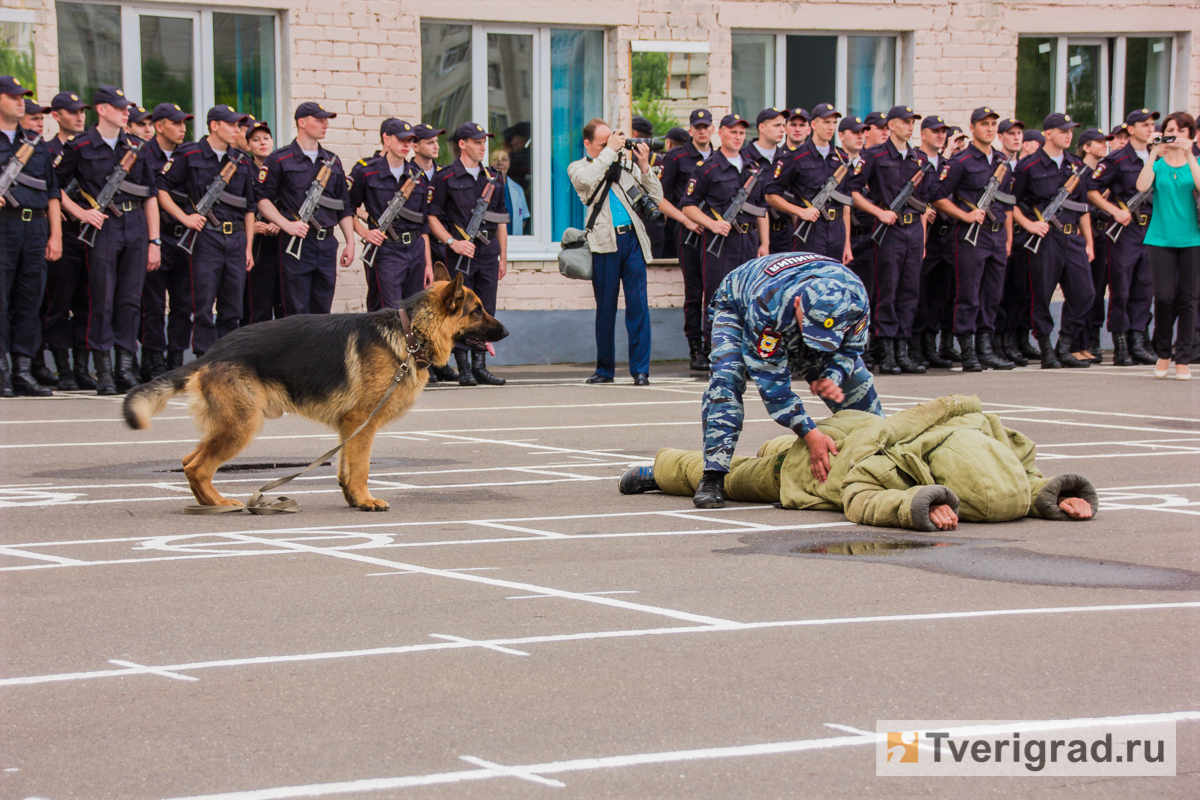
<point>656,143</point>
<point>1163,139</point>
<point>644,206</point>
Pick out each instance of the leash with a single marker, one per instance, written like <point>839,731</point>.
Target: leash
<point>257,504</point>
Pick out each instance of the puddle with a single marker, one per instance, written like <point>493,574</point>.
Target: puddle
<point>978,559</point>
<point>260,467</point>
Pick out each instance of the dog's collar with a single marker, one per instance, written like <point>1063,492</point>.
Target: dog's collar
<point>411,344</point>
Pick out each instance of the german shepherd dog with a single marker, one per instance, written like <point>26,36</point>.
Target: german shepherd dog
<point>331,368</point>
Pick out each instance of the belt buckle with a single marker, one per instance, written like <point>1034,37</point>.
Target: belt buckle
<point>127,206</point>
<point>26,215</point>
<point>1067,229</point>
<point>995,227</point>
<point>744,227</point>
<point>777,225</point>
<point>321,232</point>
<point>179,230</point>
<point>831,214</point>
<point>907,219</point>
<point>1143,220</point>
<point>227,228</point>
<point>942,231</point>
<point>406,237</point>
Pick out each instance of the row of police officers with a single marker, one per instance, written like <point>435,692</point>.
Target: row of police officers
<point>125,236</point>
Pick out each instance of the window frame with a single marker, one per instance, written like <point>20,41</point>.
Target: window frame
<point>540,246</point>
<point>841,67</point>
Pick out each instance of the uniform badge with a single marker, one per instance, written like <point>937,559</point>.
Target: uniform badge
<point>778,168</point>
<point>862,324</point>
<point>262,174</point>
<point>349,182</point>
<point>700,163</point>
<point>945,172</point>
<point>429,195</point>
<point>1098,172</point>
<point>768,343</point>
<point>58,159</point>
<point>691,187</point>
<point>166,167</point>
<point>858,167</point>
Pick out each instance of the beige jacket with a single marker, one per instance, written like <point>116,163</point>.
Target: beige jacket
<point>587,175</point>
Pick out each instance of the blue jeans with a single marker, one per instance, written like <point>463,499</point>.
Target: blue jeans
<point>610,271</point>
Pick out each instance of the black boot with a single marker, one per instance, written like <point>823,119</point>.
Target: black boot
<point>23,382</point>
<point>1138,350</point>
<point>1121,357</point>
<point>1025,346</point>
<point>1097,355</point>
<point>1063,351</point>
<point>915,351</point>
<point>445,373</point>
<point>479,367</point>
<point>1009,349</point>
<point>986,352</point>
<point>697,358</point>
<point>948,351</point>
<point>154,363</point>
<point>1046,352</point>
<point>62,363</point>
<point>869,354</point>
<point>905,361</point>
<point>6,387</point>
<point>82,376</point>
<point>174,359</point>
<point>39,370</point>
<point>104,373</point>
<point>929,347</point>
<point>711,491</point>
<point>970,361</point>
<point>637,480</point>
<point>887,360</point>
<point>433,378</point>
<point>465,376</point>
<point>125,376</point>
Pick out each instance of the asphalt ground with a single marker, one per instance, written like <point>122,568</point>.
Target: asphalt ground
<point>515,627</point>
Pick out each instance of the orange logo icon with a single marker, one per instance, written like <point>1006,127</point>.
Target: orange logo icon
<point>902,747</point>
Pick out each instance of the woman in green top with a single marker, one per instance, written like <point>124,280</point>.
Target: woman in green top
<point>1174,240</point>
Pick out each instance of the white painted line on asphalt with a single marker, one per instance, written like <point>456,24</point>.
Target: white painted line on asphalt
<point>518,529</point>
<point>600,635</point>
<point>754,526</point>
<point>142,668</point>
<point>1072,424</point>
<point>1154,486</point>
<point>539,596</point>
<point>411,572</point>
<point>12,551</point>
<point>473,643</point>
<point>528,771</point>
<point>515,772</point>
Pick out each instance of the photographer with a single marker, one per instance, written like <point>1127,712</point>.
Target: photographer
<point>1173,237</point>
<point>617,238</point>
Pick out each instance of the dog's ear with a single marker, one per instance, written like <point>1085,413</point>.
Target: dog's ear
<point>453,295</point>
<point>440,273</point>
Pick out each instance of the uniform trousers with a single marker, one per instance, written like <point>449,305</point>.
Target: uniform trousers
<point>22,282</point>
<point>170,284</point>
<point>306,283</point>
<point>262,299</point>
<point>64,307</point>
<point>779,239</point>
<point>978,277</point>
<point>898,278</point>
<point>1061,259</point>
<point>218,271</point>
<point>826,238</point>
<point>116,272</point>
<point>481,275</point>
<point>1130,284</point>
<point>935,307</point>
<point>398,272</point>
<point>691,265</point>
<point>1100,245</point>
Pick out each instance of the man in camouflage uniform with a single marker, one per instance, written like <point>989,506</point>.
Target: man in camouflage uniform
<point>771,316</point>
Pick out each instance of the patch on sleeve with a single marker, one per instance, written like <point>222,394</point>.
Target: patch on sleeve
<point>58,160</point>
<point>166,167</point>
<point>429,195</point>
<point>858,167</point>
<point>778,168</point>
<point>691,187</point>
<point>1098,172</point>
<point>945,172</point>
<point>860,326</point>
<point>262,174</point>
<point>768,343</point>
<point>349,182</point>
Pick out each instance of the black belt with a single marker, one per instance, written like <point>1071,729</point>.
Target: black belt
<point>127,205</point>
<point>1143,219</point>
<point>907,218</point>
<point>859,231</point>
<point>320,234</point>
<point>228,228</point>
<point>779,224</point>
<point>1069,229</point>
<point>618,230</point>
<point>26,214</point>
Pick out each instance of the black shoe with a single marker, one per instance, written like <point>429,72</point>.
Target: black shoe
<point>598,378</point>
<point>1121,357</point>
<point>1009,349</point>
<point>62,363</point>
<point>929,348</point>
<point>82,376</point>
<point>1063,351</point>
<point>466,377</point>
<point>432,379</point>
<point>105,385</point>
<point>711,491</point>
<point>1097,354</point>
<point>445,373</point>
<point>697,358</point>
<point>124,375</point>
<point>1025,346</point>
<point>637,480</point>
<point>641,379</point>
<point>1138,350</point>
<point>154,363</point>
<point>905,361</point>
<point>986,352</point>
<point>887,361</point>
<point>40,372</point>
<point>479,367</point>
<point>948,350</point>
<point>22,379</point>
<point>174,359</point>
<point>1046,352</point>
<point>913,348</point>
<point>6,387</point>
<point>970,359</point>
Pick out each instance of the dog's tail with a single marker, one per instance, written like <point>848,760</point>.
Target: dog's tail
<point>144,401</point>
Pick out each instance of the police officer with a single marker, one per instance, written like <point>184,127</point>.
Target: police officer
<point>223,252</point>
<point>773,315</point>
<point>874,133</point>
<point>657,234</point>
<point>978,276</point>
<point>1014,321</point>
<point>31,235</point>
<point>674,138</point>
<point>125,246</point>
<point>706,201</point>
<point>139,124</point>
<point>935,306</point>
<point>164,337</point>
<point>798,179</point>
<point>886,170</point>
<point>1130,289</point>
<point>1011,134</point>
<point>402,265</point>
<point>261,301</point>
<point>64,306</point>
<point>1093,147</point>
<point>850,137</point>
<point>307,280</point>
<point>452,197</point>
<point>34,120</point>
<point>1064,253</point>
<point>799,126</point>
<point>678,167</point>
<point>766,152</point>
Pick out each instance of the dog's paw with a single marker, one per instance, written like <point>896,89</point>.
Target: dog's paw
<point>227,501</point>
<point>374,504</point>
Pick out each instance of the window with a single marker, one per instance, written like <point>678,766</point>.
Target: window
<point>16,46</point>
<point>194,58</point>
<point>858,74</point>
<point>1096,81</point>
<point>533,88</point>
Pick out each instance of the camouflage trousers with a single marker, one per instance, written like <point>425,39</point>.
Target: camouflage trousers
<point>722,411</point>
